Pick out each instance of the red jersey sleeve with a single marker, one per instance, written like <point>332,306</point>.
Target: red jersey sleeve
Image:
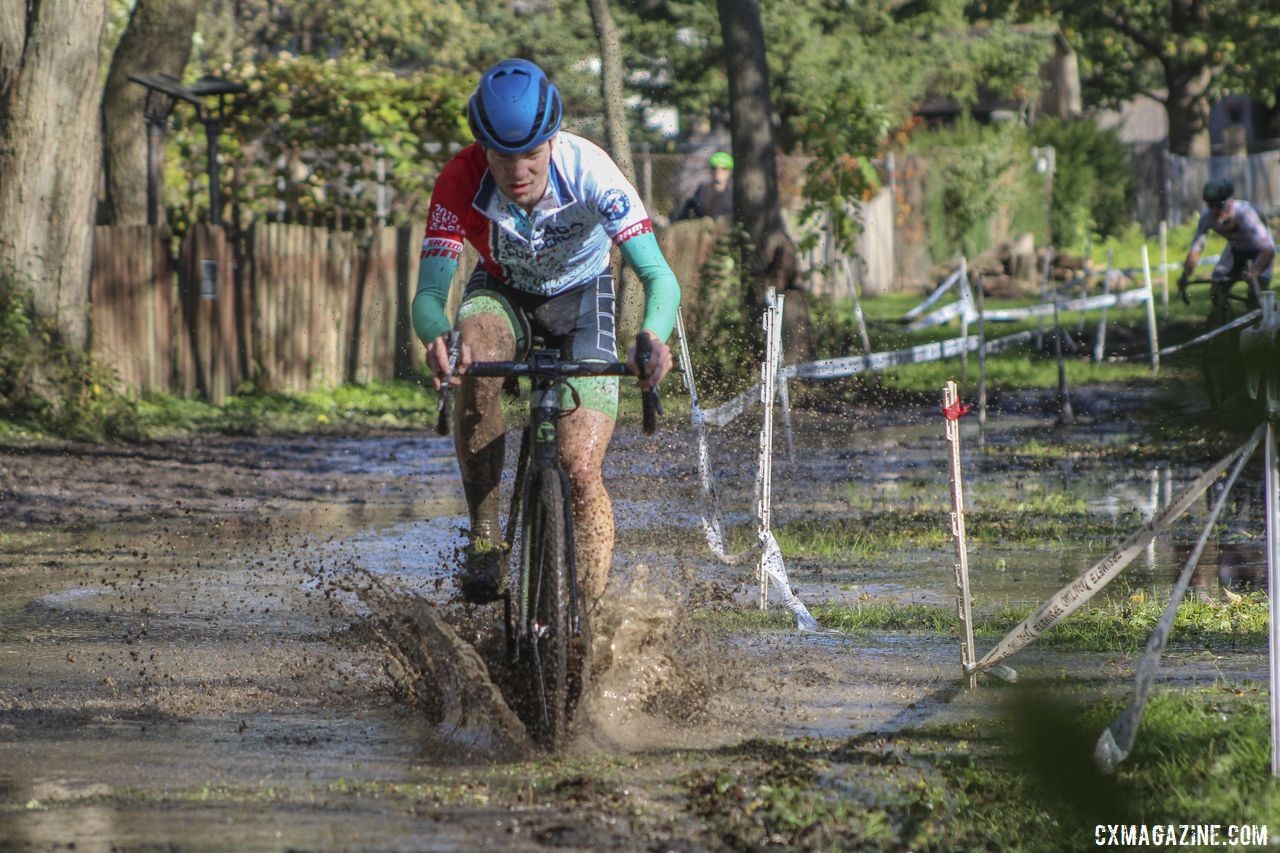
<point>450,211</point>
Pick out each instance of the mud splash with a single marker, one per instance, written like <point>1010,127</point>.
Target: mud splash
<point>447,660</point>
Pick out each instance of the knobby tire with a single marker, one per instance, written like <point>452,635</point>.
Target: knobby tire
<point>1220,362</point>
<point>547,629</point>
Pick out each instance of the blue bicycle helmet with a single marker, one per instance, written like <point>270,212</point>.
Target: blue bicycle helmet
<point>515,108</point>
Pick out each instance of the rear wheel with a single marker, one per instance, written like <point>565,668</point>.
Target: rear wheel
<point>551,665</point>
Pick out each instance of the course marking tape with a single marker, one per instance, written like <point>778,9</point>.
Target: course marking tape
<point>1116,741</point>
<point>1071,597</point>
<point>835,368</point>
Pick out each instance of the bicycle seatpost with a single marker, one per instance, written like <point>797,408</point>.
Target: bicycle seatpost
<point>650,401</point>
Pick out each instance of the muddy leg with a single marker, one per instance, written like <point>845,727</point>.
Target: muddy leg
<point>479,428</point>
<point>584,439</point>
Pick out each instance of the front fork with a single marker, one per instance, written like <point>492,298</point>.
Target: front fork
<point>542,442</point>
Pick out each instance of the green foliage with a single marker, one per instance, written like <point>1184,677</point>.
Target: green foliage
<point>1185,55</point>
<point>725,339</point>
<point>971,172</point>
<point>1092,183</point>
<point>310,133</point>
<point>380,405</point>
<point>448,35</point>
<point>842,134</point>
<point>47,386</point>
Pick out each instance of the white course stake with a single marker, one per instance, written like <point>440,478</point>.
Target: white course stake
<point>966,296</point>
<point>768,384</point>
<point>1164,268</point>
<point>952,410</point>
<point>1271,481</point>
<point>772,567</point>
<point>1151,312</point>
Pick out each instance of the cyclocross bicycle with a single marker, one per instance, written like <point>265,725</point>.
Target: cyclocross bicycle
<point>548,639</point>
<point>1220,361</point>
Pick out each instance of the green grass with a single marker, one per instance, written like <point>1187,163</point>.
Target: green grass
<point>1043,519</point>
<point>1107,625</point>
<point>385,405</point>
<point>399,405</point>
<point>1019,368</point>
<point>1021,778</point>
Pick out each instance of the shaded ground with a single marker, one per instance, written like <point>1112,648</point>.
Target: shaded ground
<point>203,645</point>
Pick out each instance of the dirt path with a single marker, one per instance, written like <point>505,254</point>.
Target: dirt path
<point>191,657</point>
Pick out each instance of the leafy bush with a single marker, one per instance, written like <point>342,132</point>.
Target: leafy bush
<point>49,387</point>
<point>725,339</point>
<point>1093,180</point>
<point>973,173</point>
<point>283,145</point>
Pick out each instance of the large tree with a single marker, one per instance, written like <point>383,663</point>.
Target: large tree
<point>770,258</point>
<point>611,92</point>
<point>157,40</point>
<point>1182,53</point>
<point>50,56</point>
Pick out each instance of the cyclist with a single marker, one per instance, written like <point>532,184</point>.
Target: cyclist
<point>1250,248</point>
<point>713,197</point>
<point>542,207</point>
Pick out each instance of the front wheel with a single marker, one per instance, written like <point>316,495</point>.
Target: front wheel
<point>1220,361</point>
<point>551,656</point>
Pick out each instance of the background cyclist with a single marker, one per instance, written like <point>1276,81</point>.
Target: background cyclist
<point>543,208</point>
<point>714,196</point>
<point>1250,248</point>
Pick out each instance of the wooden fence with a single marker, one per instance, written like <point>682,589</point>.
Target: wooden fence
<point>288,307</point>
<point>291,307</point>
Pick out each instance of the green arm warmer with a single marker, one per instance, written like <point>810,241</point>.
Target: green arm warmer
<point>434,277</point>
<point>661,290</point>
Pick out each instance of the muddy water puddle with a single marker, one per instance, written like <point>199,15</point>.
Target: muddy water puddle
<point>209,670</point>
<point>1036,520</point>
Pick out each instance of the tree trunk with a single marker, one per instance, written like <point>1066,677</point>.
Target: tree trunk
<point>156,41</point>
<point>49,143</point>
<point>615,113</point>
<point>630,293</point>
<point>1187,108</point>
<point>11,39</point>
<point>771,259</point>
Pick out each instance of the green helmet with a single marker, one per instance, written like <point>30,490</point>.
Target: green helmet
<point>1216,192</point>
<point>720,160</point>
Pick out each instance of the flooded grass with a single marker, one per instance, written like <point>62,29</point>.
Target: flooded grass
<point>860,737</point>
<point>1046,520</point>
<point>1105,626</point>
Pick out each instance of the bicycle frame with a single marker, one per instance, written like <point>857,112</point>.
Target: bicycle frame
<point>539,470</point>
<point>540,451</point>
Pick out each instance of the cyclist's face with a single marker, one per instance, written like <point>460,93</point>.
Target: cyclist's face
<point>522,177</point>
<point>1221,212</point>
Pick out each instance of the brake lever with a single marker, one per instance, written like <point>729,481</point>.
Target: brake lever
<point>444,402</point>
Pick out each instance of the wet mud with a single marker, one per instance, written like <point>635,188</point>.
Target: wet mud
<point>257,643</point>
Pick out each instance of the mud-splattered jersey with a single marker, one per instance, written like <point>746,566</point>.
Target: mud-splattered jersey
<point>565,241</point>
<point>1245,231</point>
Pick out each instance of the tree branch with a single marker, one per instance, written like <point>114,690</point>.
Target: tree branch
<point>1140,38</point>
